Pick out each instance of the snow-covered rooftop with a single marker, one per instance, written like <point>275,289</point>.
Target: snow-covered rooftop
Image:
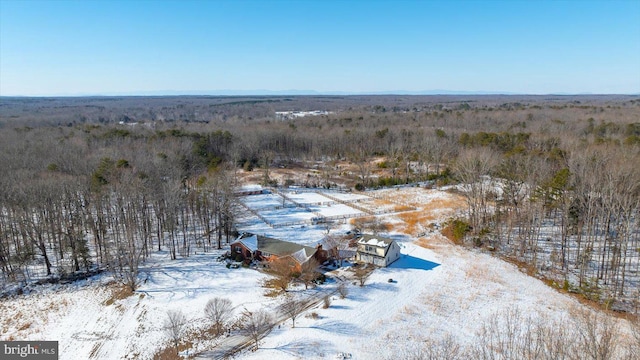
<point>301,256</point>
<point>250,242</point>
<point>375,241</point>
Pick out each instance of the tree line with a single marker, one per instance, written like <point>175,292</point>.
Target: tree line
<point>552,183</point>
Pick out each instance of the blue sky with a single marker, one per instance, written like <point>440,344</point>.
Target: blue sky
<point>108,47</point>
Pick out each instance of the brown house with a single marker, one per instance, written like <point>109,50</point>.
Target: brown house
<point>262,248</point>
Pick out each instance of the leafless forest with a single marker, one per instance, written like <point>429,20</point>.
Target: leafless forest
<point>94,184</point>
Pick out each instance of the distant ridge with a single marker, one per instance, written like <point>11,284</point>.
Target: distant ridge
<point>293,92</point>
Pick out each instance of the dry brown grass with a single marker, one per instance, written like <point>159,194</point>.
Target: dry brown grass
<point>447,232</point>
<point>449,204</point>
<point>414,220</point>
<point>527,268</point>
<point>194,336</point>
<point>169,353</point>
<point>380,202</point>
<point>480,271</point>
<point>313,315</point>
<point>358,222</point>
<point>410,310</point>
<point>432,242</point>
<point>118,292</point>
<point>401,208</point>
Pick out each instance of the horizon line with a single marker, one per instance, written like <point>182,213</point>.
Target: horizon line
<point>261,92</point>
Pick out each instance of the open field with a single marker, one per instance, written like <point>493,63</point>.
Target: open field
<point>439,291</point>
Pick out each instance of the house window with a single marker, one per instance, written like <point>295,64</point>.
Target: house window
<point>238,249</point>
<point>369,248</point>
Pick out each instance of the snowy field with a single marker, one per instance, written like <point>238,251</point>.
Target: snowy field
<point>336,210</point>
<point>438,291</point>
<point>265,201</point>
<point>295,223</point>
<point>433,296</point>
<point>90,322</point>
<point>306,197</point>
<point>283,216</point>
<point>348,197</point>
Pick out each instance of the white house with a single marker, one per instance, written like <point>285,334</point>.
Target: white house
<point>377,250</point>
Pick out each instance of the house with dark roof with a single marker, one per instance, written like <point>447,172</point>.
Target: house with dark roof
<point>377,250</point>
<point>262,248</point>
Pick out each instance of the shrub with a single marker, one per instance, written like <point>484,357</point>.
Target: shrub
<point>314,315</point>
<point>389,181</point>
<point>247,166</point>
<point>326,302</point>
<point>342,290</point>
<point>456,230</point>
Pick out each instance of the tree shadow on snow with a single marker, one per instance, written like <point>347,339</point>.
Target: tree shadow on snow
<point>303,347</point>
<point>340,307</point>
<point>338,327</point>
<point>382,286</point>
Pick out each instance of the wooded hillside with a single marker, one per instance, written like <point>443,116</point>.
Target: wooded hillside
<point>99,183</point>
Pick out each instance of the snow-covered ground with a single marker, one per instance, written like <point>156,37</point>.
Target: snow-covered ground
<point>89,321</point>
<point>438,291</point>
<point>265,201</point>
<point>435,294</point>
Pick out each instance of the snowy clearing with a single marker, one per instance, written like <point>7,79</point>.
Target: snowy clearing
<point>437,290</point>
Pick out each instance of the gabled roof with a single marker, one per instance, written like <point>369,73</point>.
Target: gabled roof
<point>377,241</point>
<point>282,248</point>
<point>302,255</point>
<point>249,241</point>
<point>276,247</point>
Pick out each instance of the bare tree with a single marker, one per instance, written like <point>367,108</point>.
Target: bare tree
<point>444,349</point>
<point>597,335</point>
<point>371,224</point>
<point>472,168</point>
<point>362,273</point>
<point>309,272</point>
<point>255,324</point>
<point>292,308</point>
<point>335,244</point>
<point>282,272</point>
<point>174,326</point>
<point>633,344</point>
<point>219,311</point>
<point>509,334</point>
<point>343,291</point>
